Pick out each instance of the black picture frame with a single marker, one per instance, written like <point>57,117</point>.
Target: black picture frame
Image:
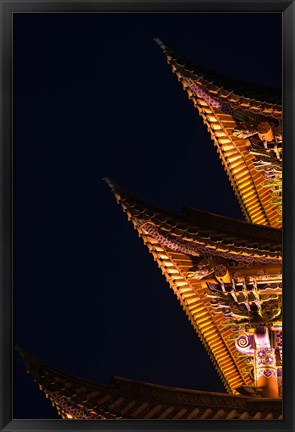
<point>8,8</point>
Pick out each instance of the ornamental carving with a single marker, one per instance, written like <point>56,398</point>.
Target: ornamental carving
<point>195,248</point>
<point>205,267</point>
<point>202,269</point>
<point>245,303</point>
<point>245,344</point>
<point>266,363</point>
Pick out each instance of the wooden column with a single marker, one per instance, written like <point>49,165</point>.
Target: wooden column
<point>265,364</point>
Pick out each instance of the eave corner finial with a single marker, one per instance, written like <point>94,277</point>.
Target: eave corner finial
<point>109,182</point>
<point>160,43</point>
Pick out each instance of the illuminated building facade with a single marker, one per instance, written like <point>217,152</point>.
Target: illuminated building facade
<point>226,273</point>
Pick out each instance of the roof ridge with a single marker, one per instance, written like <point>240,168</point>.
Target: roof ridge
<point>187,209</point>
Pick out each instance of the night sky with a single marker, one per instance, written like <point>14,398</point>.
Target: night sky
<point>94,97</point>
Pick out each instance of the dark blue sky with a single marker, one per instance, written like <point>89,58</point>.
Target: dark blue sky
<point>94,97</point>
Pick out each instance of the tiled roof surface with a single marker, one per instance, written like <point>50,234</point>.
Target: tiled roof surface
<point>217,100</point>
<point>215,333</point>
<point>211,230</point>
<point>76,398</point>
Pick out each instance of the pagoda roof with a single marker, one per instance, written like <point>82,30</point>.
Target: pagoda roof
<point>174,242</point>
<point>223,104</point>
<point>252,91</point>
<point>123,398</point>
<point>204,227</point>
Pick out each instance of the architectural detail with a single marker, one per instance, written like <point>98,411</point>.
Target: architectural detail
<point>225,273</point>
<point>266,371</point>
<point>245,344</point>
<point>128,399</point>
<point>245,123</point>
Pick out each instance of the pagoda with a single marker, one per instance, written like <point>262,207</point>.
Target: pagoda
<point>226,273</point>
